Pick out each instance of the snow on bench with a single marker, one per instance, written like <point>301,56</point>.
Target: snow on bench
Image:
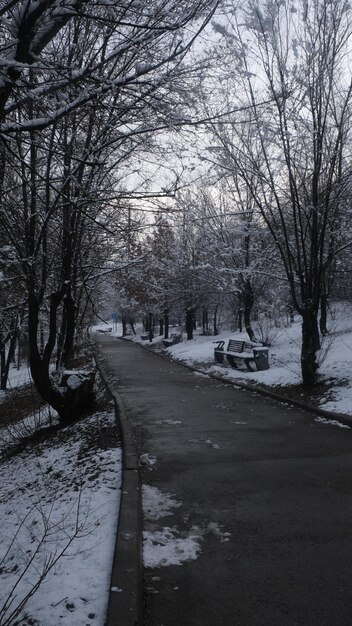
<point>242,350</point>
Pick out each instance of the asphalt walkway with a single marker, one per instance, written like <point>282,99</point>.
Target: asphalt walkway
<point>265,487</point>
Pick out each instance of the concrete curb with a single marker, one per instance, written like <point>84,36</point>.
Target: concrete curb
<point>125,607</point>
<point>344,419</point>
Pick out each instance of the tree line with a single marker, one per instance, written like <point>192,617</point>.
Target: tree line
<point>82,87</point>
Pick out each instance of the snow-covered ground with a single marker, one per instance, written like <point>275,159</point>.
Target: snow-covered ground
<point>17,377</point>
<point>59,502</point>
<point>335,356</point>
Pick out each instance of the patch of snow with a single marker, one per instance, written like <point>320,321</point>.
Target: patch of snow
<point>74,382</point>
<point>168,422</point>
<point>211,444</point>
<point>115,328</point>
<point>61,496</point>
<point>207,442</point>
<point>17,378</point>
<point>157,504</point>
<point>323,420</point>
<point>147,459</point>
<point>216,529</point>
<point>165,547</point>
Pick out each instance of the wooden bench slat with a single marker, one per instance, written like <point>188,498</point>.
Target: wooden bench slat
<point>235,346</point>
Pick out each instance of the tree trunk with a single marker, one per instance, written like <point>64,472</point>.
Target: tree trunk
<point>65,340</point>
<point>150,325</point>
<point>166,324</point>
<point>40,363</point>
<point>189,323</point>
<point>161,326</point>
<point>3,378</point>
<point>323,313</point>
<point>240,314</point>
<point>44,385</point>
<point>70,319</point>
<point>215,325</point>
<point>310,346</point>
<point>248,300</point>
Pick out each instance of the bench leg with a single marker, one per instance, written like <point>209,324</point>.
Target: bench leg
<point>231,360</point>
<point>219,356</point>
<point>248,365</point>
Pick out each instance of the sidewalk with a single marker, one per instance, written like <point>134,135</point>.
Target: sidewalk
<point>261,499</point>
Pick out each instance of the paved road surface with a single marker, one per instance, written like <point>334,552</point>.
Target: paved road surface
<point>275,479</point>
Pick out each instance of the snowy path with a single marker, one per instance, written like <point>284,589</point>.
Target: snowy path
<point>247,502</point>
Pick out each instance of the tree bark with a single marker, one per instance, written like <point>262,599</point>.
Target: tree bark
<point>323,312</point>
<point>2,368</point>
<point>189,323</point>
<point>65,341</point>
<point>70,320</point>
<point>39,363</point>
<point>310,346</point>
<point>166,324</point>
<point>240,314</point>
<point>205,321</point>
<point>150,325</point>
<point>248,300</point>
<point>215,325</point>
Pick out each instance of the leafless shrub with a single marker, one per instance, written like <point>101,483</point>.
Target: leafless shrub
<point>266,330</point>
<point>39,529</point>
<point>13,433</point>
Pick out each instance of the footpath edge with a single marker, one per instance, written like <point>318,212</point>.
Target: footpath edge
<point>125,606</point>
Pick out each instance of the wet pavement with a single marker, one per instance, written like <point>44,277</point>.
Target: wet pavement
<point>264,487</point>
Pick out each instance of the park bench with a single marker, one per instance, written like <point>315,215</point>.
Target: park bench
<point>241,350</point>
<point>173,339</point>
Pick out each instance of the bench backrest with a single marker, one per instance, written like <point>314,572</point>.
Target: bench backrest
<point>236,346</point>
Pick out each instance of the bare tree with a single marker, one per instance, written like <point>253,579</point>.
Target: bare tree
<point>292,68</point>
<point>83,86</point>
